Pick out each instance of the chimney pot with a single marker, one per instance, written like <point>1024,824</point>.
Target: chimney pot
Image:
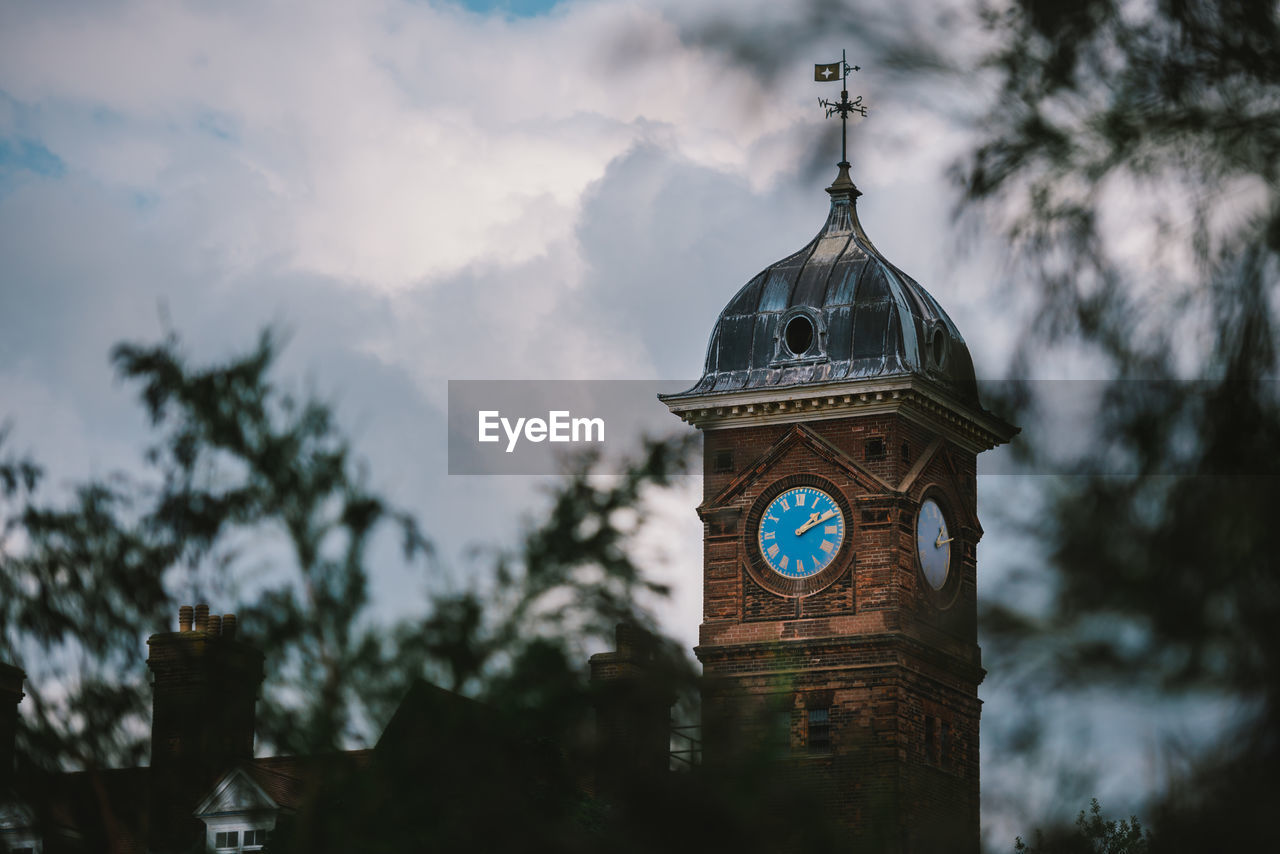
<point>229,622</point>
<point>184,618</point>
<point>202,618</point>
<point>215,625</point>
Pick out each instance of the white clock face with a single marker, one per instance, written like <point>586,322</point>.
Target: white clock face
<point>933,544</point>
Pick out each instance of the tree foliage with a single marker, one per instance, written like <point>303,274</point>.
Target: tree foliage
<point>1092,834</point>
<point>1131,160</point>
<point>237,461</point>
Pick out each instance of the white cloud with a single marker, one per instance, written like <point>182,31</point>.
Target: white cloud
<point>422,193</point>
<point>397,143</point>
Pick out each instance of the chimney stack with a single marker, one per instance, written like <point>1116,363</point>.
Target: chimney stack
<point>10,696</point>
<point>633,711</point>
<point>204,688</point>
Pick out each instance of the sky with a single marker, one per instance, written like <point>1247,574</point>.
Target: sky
<point>419,192</point>
<point>414,193</point>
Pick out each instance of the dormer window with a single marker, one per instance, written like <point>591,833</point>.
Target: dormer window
<point>238,814</point>
<point>938,347</point>
<point>251,839</point>
<point>799,337</point>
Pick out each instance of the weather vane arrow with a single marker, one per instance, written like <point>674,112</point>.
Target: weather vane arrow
<point>829,72</point>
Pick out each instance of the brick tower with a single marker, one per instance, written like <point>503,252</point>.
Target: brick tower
<point>842,428</point>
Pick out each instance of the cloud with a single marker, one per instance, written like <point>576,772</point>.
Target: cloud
<point>405,187</point>
<point>393,144</point>
<point>418,191</point>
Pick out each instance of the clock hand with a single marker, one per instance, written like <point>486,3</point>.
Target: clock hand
<point>814,519</point>
<point>941,542</point>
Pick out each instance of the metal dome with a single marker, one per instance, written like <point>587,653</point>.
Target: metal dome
<point>836,310</point>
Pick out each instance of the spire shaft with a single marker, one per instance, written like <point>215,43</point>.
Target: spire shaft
<point>844,114</point>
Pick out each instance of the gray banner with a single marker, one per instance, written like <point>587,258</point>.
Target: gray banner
<point>1069,427</point>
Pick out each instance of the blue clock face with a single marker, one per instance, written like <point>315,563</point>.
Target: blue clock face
<point>800,532</point>
<point>933,544</point>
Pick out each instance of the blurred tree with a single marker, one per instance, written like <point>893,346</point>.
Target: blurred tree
<point>81,586</point>
<point>1131,157</point>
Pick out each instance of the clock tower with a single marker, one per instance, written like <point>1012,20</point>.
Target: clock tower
<point>840,532</point>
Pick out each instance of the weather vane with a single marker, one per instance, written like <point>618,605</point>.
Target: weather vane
<point>840,71</point>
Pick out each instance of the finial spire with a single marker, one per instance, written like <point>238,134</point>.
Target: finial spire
<point>829,73</point>
<point>843,187</point>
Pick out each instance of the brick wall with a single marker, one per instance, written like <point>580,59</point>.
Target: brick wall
<point>892,664</point>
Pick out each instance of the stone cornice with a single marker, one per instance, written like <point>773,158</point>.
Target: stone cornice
<point>913,397</point>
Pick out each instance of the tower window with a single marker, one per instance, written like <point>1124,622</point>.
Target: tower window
<point>938,346</point>
<point>782,731</point>
<point>944,745</point>
<point>722,462</point>
<point>873,448</point>
<point>799,335</point>
<point>906,454</point>
<point>930,739</point>
<point>819,726</point>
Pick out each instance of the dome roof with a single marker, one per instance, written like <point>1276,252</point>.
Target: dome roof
<point>836,310</point>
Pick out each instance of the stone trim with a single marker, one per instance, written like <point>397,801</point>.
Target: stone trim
<point>972,427</point>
